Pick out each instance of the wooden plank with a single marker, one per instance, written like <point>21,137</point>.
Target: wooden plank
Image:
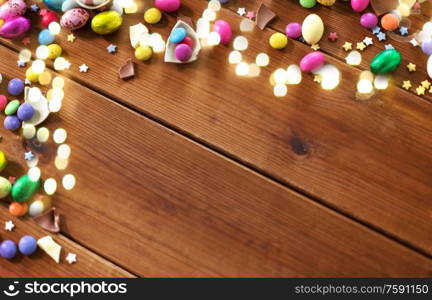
<point>316,141</point>
<point>336,19</point>
<point>160,205</point>
<point>40,264</point>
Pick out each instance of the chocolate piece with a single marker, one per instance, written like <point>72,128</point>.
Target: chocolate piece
<point>264,16</point>
<point>383,6</point>
<point>127,70</point>
<point>49,220</point>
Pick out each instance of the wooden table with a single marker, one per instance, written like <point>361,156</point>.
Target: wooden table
<point>190,170</point>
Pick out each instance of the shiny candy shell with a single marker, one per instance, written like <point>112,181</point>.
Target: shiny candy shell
<point>8,249</point>
<point>24,188</point>
<point>143,52</point>
<point>46,37</point>
<point>18,209</point>
<point>278,40</point>
<point>27,245</point>
<point>360,5</point>
<point>177,35</point>
<point>12,123</point>
<point>12,8</point>
<point>183,52</point>
<point>312,29</point>
<point>369,20</point>
<point>16,87</point>
<point>3,161</point>
<point>74,19</point>
<point>223,28</point>
<point>168,5</point>
<point>15,27</point>
<point>49,17</point>
<point>12,107</point>
<point>312,61</point>
<point>152,15</point>
<point>25,112</point>
<point>5,187</point>
<point>386,62</point>
<point>106,22</point>
<point>54,51</point>
<point>3,102</point>
<point>293,30</point>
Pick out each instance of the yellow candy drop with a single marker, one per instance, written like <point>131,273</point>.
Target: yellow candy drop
<point>278,41</point>
<point>32,76</point>
<point>143,52</point>
<point>152,15</point>
<point>3,161</point>
<point>54,51</point>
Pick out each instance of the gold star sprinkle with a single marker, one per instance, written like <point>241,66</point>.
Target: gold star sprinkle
<point>430,90</point>
<point>347,46</point>
<point>71,38</point>
<point>315,47</point>
<point>407,84</point>
<point>411,67</point>
<point>426,84</point>
<point>420,90</point>
<point>317,78</point>
<point>361,46</point>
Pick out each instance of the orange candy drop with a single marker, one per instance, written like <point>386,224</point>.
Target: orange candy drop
<point>18,209</point>
<point>390,22</point>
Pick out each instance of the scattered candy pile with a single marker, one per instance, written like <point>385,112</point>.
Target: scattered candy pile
<point>388,19</point>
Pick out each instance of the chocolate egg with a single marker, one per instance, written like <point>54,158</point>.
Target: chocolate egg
<point>74,18</point>
<point>12,8</point>
<point>15,27</point>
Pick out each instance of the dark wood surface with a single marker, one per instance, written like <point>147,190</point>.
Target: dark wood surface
<point>192,171</point>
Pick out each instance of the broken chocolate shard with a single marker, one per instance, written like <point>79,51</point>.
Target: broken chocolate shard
<point>127,70</point>
<point>185,19</point>
<point>264,16</point>
<point>49,220</point>
<point>381,7</point>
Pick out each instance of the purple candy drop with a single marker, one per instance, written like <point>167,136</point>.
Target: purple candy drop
<point>12,123</point>
<point>183,52</point>
<point>293,30</point>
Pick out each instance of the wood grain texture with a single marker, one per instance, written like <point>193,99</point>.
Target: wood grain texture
<point>160,205</point>
<point>40,264</point>
<point>371,159</point>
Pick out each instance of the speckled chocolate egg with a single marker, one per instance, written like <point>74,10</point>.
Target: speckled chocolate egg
<point>12,8</point>
<point>74,18</point>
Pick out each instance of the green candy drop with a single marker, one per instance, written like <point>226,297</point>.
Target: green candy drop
<point>307,3</point>
<point>24,188</point>
<point>386,62</point>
